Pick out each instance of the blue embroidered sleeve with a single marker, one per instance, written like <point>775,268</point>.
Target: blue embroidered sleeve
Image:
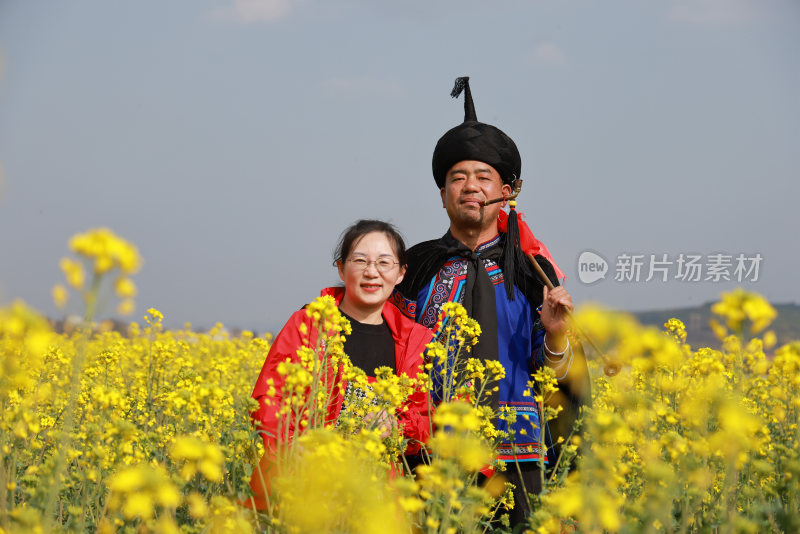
<point>537,345</point>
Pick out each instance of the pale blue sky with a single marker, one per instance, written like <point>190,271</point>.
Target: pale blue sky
<point>234,141</point>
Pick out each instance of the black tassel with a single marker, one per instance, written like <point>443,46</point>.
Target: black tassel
<point>512,253</point>
<point>462,85</point>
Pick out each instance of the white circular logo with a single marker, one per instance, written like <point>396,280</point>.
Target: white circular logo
<point>591,267</point>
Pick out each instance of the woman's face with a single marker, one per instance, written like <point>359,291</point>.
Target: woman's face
<point>368,289</point>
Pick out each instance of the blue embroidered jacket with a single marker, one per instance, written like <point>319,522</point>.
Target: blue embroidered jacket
<point>520,342</point>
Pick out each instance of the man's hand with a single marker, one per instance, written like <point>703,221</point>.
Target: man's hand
<point>556,306</point>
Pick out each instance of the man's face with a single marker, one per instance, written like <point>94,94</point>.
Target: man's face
<point>467,185</point>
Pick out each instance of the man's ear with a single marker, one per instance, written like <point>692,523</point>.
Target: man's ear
<point>442,193</point>
<point>506,190</point>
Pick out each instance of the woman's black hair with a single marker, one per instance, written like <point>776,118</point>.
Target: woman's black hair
<point>354,233</point>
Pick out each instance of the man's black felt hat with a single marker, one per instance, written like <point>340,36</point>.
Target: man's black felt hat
<point>473,140</point>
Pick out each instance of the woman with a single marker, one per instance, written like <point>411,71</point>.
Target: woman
<point>371,259</point>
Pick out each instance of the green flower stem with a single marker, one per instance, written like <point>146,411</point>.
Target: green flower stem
<point>65,440</point>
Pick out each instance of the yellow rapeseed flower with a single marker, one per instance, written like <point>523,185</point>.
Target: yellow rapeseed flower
<point>740,305</point>
<point>73,272</point>
<point>126,307</point>
<point>107,250</point>
<point>60,296</point>
<point>137,491</point>
<point>124,287</point>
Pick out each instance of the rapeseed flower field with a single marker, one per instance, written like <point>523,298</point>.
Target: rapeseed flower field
<point>149,430</point>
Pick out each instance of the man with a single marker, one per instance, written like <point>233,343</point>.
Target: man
<point>481,264</point>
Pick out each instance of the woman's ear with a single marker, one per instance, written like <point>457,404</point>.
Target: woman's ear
<point>340,267</point>
<point>403,270</point>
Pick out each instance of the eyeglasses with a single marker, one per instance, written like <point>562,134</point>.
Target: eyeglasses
<point>384,265</point>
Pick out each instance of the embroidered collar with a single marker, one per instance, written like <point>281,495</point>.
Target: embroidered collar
<point>488,244</point>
